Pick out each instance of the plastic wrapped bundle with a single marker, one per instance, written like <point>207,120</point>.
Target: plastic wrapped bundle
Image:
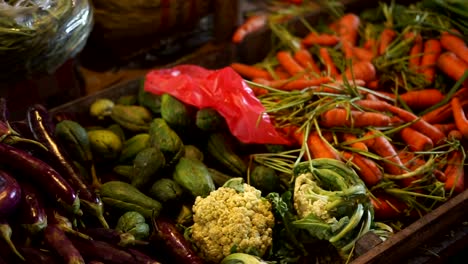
<point>38,36</point>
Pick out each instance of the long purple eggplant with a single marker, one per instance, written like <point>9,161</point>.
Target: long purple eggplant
<point>56,238</point>
<point>10,193</point>
<point>41,126</point>
<point>113,236</point>
<point>34,255</point>
<point>42,174</point>
<point>107,253</point>
<point>54,217</point>
<point>33,217</point>
<point>10,198</point>
<point>5,233</point>
<point>141,257</point>
<point>166,231</point>
<point>4,113</point>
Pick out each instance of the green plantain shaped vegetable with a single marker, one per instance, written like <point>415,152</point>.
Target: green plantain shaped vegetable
<point>331,202</point>
<point>133,223</point>
<point>101,108</point>
<point>242,258</point>
<point>166,190</point>
<point>193,176</point>
<point>149,100</point>
<point>105,144</point>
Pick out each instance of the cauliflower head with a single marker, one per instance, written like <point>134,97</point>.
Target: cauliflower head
<point>230,219</point>
<point>306,202</point>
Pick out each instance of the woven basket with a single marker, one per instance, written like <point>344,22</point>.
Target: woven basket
<point>117,19</point>
<point>128,27</point>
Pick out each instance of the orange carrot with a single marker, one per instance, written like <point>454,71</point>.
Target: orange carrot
<point>373,85</point>
<point>387,207</point>
<point>418,99</point>
<point>328,62</point>
<point>450,64</point>
<point>347,50</point>
<point>305,59</point>
<point>373,104</point>
<point>369,44</point>
<point>362,70</point>
<point>440,114</point>
<point>459,116</point>
<point>431,52</point>
<point>250,71</point>
<point>411,162</point>
<point>286,60</point>
<point>362,54</point>
<point>416,141</point>
<point>300,84</point>
<point>455,172</point>
<point>415,52</point>
<point>352,118</point>
<point>348,26</point>
<point>293,135</point>
<point>384,148</point>
<point>422,99</point>
<point>352,141</point>
<point>455,44</point>
<point>367,169</point>
<point>318,147</point>
<point>322,39</point>
<point>445,128</point>
<point>371,97</point>
<point>455,134</point>
<point>251,24</point>
<point>270,83</point>
<point>386,37</point>
<point>420,125</point>
<point>444,112</point>
<point>259,90</point>
<point>281,73</point>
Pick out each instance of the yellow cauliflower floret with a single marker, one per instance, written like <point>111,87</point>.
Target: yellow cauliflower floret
<point>228,219</point>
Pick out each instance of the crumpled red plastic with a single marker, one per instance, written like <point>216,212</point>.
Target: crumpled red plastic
<point>223,90</point>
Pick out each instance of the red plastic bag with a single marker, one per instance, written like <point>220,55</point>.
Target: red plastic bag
<point>223,90</point>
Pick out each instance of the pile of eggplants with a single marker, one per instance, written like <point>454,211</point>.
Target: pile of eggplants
<point>49,212</point>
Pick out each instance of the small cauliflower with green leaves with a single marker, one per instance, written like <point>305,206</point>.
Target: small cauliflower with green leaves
<point>233,218</point>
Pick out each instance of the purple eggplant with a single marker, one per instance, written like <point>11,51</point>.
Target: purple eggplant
<point>113,236</point>
<point>33,217</point>
<point>181,250</point>
<point>42,174</point>
<point>141,257</point>
<point>59,220</point>
<point>58,241</point>
<point>34,255</point>
<point>5,233</point>
<point>42,128</point>
<point>4,113</point>
<point>12,137</point>
<point>107,253</point>
<point>10,193</point>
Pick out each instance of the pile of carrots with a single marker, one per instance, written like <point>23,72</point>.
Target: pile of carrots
<point>406,140</point>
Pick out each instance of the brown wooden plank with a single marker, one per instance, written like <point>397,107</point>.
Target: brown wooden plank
<point>407,240</point>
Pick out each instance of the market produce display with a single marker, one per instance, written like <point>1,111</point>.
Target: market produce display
<point>325,141</point>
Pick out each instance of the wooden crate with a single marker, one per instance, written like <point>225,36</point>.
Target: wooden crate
<point>430,239</point>
<point>439,232</point>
